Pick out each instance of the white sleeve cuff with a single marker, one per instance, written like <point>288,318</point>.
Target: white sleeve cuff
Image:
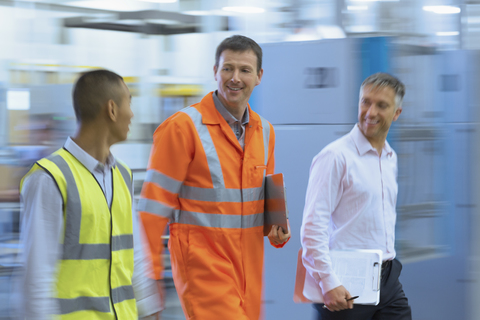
<point>329,283</point>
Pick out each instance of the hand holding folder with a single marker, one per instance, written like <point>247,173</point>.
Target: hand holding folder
<point>275,209</point>
<point>358,270</point>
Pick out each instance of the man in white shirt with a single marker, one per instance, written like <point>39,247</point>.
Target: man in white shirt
<point>350,204</point>
<point>82,252</point>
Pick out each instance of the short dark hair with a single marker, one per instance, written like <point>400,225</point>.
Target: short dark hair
<point>92,90</point>
<point>239,44</point>
<point>382,79</point>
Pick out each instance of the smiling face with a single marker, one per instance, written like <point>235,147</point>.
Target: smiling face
<point>236,76</point>
<point>376,112</point>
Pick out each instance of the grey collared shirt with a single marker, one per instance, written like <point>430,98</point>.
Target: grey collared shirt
<point>237,126</point>
<point>42,231</point>
<point>101,172</point>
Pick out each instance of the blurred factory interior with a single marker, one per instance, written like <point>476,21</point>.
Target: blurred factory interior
<point>316,53</point>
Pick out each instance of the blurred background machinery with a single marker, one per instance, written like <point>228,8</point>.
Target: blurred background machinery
<point>316,53</point>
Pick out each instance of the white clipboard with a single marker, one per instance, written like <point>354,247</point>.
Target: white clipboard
<point>359,271</point>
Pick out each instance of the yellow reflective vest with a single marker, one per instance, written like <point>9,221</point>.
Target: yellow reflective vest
<point>94,274</point>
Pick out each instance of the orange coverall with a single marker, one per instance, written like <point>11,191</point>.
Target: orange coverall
<point>211,191</point>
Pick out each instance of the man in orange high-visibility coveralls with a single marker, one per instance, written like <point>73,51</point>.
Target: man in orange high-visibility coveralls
<point>205,176</point>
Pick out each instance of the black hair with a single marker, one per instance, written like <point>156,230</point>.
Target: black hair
<point>92,90</point>
<point>239,43</point>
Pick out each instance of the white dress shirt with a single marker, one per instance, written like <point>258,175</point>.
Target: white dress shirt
<point>350,204</point>
<point>41,230</point>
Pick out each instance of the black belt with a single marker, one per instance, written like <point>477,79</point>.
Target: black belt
<point>386,264</point>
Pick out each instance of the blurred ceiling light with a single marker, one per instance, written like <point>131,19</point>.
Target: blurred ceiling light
<point>442,9</point>
<point>473,20</point>
<point>18,99</point>
<point>357,8</point>
<point>159,1</point>
<point>244,9</point>
<point>374,0</point>
<point>448,33</point>
<point>197,12</point>
<point>114,5</point>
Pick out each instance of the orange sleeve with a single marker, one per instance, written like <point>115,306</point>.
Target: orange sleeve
<point>271,168</point>
<point>167,168</point>
<point>271,152</point>
<point>154,229</point>
<point>172,149</point>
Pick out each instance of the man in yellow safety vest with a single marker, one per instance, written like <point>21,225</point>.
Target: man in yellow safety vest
<point>82,251</point>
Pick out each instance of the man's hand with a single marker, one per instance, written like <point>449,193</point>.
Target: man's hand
<point>277,236</point>
<point>336,299</point>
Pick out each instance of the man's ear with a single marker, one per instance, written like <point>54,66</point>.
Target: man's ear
<point>259,77</point>
<point>397,113</point>
<point>112,110</point>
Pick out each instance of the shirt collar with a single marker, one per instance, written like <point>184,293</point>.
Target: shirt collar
<point>226,114</point>
<point>87,160</point>
<point>363,145</point>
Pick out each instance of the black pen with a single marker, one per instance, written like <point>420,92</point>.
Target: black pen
<point>349,299</point>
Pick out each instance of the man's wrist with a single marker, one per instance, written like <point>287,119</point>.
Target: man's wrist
<point>329,283</point>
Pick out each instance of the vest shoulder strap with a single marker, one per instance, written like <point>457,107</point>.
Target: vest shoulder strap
<point>126,174</point>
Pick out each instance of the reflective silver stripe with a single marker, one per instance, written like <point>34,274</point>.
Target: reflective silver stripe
<point>86,251</point>
<point>122,242</point>
<point>209,194</point>
<point>252,220</point>
<point>73,212</point>
<point>101,304</point>
<point>72,248</point>
<point>221,195</point>
<point>208,146</point>
<point>126,176</point>
<point>214,220</point>
<point>253,194</point>
<point>266,137</point>
<point>155,207</point>
<point>163,181</point>
<point>122,293</point>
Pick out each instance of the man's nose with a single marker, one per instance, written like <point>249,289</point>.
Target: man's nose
<point>372,110</point>
<point>235,76</point>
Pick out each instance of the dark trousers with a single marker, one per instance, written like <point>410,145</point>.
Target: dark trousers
<point>393,302</point>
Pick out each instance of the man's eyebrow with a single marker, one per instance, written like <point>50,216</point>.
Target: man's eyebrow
<point>247,66</point>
